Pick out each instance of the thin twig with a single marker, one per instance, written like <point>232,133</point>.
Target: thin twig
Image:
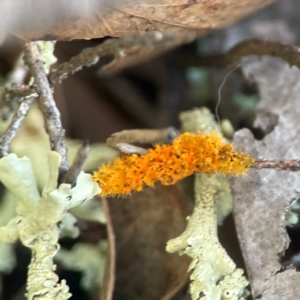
<point>71,175</point>
<point>117,48</point>
<point>143,136</point>
<point>11,97</point>
<point>47,104</point>
<point>127,148</point>
<point>279,165</point>
<point>14,90</point>
<point>123,141</point>
<point>14,125</point>
<point>21,91</point>
<point>289,53</point>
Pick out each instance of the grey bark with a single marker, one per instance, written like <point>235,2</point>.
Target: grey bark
<point>262,198</point>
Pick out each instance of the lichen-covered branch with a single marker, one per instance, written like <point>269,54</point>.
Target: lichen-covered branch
<point>51,114</point>
<point>122,51</point>
<point>214,275</point>
<point>14,125</point>
<point>116,48</point>
<point>189,153</point>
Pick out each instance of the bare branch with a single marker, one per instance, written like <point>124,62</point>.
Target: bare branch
<point>10,98</point>
<point>71,175</point>
<point>279,165</point>
<point>143,136</point>
<point>47,104</point>
<point>123,141</point>
<point>14,125</point>
<point>13,90</point>
<point>22,91</point>
<point>289,53</point>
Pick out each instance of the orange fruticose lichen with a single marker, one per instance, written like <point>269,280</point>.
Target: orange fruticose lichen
<point>189,153</point>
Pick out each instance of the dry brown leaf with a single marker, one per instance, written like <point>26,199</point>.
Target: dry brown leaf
<point>142,225</point>
<point>141,16</point>
<point>262,198</point>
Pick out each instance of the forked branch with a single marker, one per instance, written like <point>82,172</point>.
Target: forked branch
<point>47,104</point>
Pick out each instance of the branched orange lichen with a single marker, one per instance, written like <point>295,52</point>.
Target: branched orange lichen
<point>189,153</point>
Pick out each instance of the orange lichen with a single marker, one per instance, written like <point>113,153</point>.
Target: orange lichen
<point>189,153</point>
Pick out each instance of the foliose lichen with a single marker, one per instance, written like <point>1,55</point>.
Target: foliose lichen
<point>37,218</point>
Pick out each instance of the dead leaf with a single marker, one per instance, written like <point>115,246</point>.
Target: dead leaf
<point>142,224</point>
<point>262,198</point>
<point>116,20</point>
<point>173,24</point>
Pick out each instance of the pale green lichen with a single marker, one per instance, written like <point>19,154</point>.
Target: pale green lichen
<point>202,120</point>
<point>7,212</point>
<point>198,120</point>
<point>32,141</point>
<point>292,216</point>
<point>46,54</point>
<point>37,218</point>
<point>32,205</point>
<point>99,154</point>
<point>88,259</point>
<point>227,129</point>
<point>214,275</point>
<point>68,226</point>
<point>91,210</point>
